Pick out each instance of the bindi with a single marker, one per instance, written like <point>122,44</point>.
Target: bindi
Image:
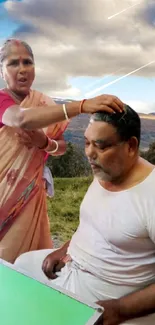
<point>17,42</point>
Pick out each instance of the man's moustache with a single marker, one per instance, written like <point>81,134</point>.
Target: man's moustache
<point>92,162</point>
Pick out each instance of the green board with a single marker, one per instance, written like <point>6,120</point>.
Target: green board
<point>26,301</point>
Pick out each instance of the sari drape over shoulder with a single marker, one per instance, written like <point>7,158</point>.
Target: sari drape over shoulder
<point>24,224</point>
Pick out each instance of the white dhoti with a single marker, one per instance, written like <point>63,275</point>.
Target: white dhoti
<point>77,281</point>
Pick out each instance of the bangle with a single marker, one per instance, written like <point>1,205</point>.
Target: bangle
<point>65,112</point>
<point>81,105</point>
<point>56,149</point>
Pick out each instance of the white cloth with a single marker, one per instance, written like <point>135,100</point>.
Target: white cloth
<point>115,239</point>
<point>114,243</point>
<point>47,176</point>
<point>73,279</point>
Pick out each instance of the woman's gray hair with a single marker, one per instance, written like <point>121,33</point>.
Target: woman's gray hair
<point>12,41</point>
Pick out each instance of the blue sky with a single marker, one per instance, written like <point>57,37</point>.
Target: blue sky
<point>134,89</point>
<point>7,25</point>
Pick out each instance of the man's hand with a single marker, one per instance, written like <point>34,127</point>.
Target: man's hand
<point>36,138</point>
<point>55,261</point>
<point>53,264</point>
<point>111,315</point>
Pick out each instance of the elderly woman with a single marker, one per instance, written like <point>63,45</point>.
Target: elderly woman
<point>31,127</point>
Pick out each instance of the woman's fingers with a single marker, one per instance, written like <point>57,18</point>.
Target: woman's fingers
<point>114,103</point>
<point>24,139</point>
<point>107,109</point>
<point>105,103</point>
<point>119,103</point>
<point>115,107</point>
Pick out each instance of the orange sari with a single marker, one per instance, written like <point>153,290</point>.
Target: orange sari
<point>24,224</point>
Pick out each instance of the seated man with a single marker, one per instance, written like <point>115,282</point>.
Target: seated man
<point>111,257</point>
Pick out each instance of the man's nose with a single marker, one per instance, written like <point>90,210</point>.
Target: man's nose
<point>91,152</point>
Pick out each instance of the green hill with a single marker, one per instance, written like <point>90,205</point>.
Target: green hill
<point>63,209</point>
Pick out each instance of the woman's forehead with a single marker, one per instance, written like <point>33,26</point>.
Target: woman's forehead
<point>16,51</point>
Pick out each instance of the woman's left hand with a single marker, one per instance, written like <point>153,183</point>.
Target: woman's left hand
<point>30,139</point>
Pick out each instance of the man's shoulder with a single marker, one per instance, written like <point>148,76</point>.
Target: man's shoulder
<point>145,171</point>
<point>147,184</point>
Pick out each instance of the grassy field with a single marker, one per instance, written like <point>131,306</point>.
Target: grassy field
<point>63,209</point>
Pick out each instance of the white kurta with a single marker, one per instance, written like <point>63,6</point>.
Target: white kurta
<point>113,249</point>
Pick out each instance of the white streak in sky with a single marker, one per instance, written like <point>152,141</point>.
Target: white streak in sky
<point>116,80</point>
<point>101,79</point>
<point>118,13</point>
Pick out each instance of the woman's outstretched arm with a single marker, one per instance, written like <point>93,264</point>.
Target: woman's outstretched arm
<point>40,117</point>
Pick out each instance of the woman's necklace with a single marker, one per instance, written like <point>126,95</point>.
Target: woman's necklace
<point>14,96</point>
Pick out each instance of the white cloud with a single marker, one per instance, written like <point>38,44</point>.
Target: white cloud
<point>141,107</point>
<point>76,38</point>
<point>70,93</point>
<point>96,90</point>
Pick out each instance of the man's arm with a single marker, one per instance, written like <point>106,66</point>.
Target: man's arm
<point>137,304</point>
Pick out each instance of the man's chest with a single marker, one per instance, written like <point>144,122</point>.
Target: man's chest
<point>115,223</point>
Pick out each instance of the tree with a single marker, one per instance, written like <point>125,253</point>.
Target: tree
<point>72,164</point>
<point>149,154</point>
